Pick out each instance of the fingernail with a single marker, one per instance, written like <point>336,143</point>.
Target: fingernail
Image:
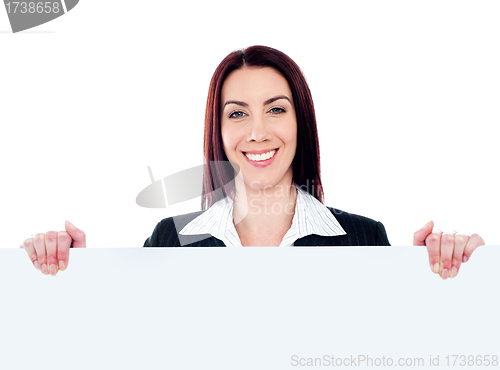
<point>427,224</point>
<point>44,269</point>
<point>62,265</point>
<point>465,259</point>
<point>435,268</point>
<point>71,225</point>
<point>436,231</point>
<point>454,272</point>
<point>444,274</point>
<point>37,266</point>
<point>53,270</point>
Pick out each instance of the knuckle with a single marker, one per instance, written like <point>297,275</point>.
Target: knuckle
<point>64,238</point>
<point>446,261</point>
<point>63,253</point>
<point>433,260</point>
<point>461,239</point>
<point>433,238</point>
<point>50,236</point>
<point>62,257</point>
<point>447,238</point>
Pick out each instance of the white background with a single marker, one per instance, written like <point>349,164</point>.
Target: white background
<point>406,96</point>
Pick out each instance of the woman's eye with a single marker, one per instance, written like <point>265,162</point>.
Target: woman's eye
<point>236,114</point>
<point>277,110</point>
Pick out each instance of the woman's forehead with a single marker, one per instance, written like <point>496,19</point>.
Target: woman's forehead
<point>255,83</point>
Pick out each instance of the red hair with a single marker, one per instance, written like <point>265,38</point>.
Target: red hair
<point>306,163</point>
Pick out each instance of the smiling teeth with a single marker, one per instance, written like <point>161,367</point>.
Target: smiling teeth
<point>260,157</point>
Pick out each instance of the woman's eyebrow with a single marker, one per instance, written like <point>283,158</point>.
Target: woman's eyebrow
<point>243,104</point>
<point>268,101</point>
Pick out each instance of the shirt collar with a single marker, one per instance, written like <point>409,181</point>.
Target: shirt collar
<point>311,217</point>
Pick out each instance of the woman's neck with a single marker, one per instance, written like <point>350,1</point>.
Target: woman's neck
<point>262,217</point>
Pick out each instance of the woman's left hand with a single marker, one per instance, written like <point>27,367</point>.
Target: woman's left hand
<point>447,251</point>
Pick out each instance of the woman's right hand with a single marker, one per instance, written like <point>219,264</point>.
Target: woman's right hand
<point>49,252</point>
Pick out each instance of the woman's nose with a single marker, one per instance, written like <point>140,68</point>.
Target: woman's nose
<point>258,130</point>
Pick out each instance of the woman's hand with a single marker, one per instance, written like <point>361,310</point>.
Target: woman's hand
<point>447,251</point>
<point>49,252</point>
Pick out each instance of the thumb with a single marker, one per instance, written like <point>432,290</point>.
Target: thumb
<point>420,235</point>
<point>77,235</point>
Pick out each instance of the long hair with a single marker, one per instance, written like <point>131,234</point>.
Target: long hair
<point>306,163</point>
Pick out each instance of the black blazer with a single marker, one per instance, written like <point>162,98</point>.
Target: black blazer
<point>360,231</point>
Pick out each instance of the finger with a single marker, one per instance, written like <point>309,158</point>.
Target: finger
<point>420,235</point>
<point>447,245</point>
<point>39,244</point>
<point>433,242</point>
<point>474,242</point>
<point>63,245</point>
<point>77,235</point>
<point>51,248</point>
<point>458,251</point>
<point>30,249</point>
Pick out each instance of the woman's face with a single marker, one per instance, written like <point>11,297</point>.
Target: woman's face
<point>259,127</point>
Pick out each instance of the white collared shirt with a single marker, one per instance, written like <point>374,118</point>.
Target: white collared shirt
<point>311,217</point>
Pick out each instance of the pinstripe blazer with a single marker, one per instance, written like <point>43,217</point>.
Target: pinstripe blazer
<point>360,231</point>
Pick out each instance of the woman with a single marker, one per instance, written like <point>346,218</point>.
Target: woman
<point>260,117</point>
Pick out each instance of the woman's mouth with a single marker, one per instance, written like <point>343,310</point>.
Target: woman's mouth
<point>261,159</point>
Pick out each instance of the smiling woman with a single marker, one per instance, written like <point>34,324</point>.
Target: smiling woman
<point>259,133</point>
<point>260,117</point>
